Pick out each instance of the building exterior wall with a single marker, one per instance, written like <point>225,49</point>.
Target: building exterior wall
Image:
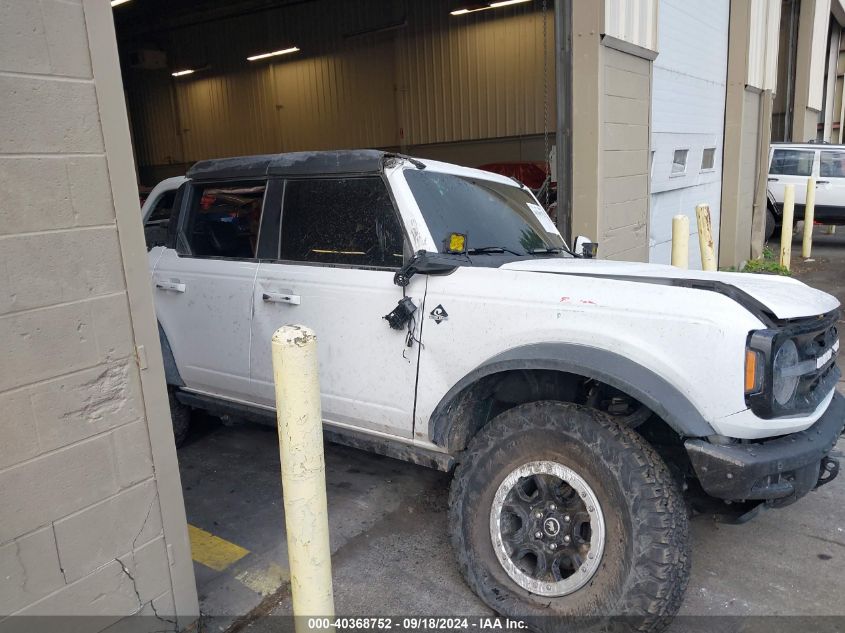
<point>611,98</point>
<point>751,79</point>
<point>810,62</point>
<point>624,187</point>
<point>434,79</point>
<point>688,112</point>
<point>92,519</point>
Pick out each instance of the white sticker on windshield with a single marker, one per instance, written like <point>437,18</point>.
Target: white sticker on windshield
<point>544,218</point>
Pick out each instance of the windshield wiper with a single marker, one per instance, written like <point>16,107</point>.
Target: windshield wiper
<point>553,250</point>
<point>491,250</point>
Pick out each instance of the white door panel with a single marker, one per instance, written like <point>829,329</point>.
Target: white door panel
<point>204,306</point>
<point>367,372</point>
<point>791,166</point>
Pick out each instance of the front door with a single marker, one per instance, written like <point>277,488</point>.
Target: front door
<point>830,186</point>
<point>791,167</point>
<point>340,245</point>
<point>203,289</point>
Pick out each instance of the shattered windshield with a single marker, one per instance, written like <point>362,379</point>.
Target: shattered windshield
<point>495,217</point>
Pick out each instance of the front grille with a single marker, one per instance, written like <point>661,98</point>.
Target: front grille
<point>813,339</point>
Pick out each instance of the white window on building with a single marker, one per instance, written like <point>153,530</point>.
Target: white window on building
<point>679,162</point>
<point>708,159</point>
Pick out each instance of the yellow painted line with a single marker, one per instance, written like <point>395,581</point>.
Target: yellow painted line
<point>213,551</point>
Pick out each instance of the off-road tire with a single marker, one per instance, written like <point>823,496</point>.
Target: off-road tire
<point>644,569</point>
<point>180,416</point>
<point>771,225</point>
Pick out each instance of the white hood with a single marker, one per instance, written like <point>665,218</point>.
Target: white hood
<point>787,298</point>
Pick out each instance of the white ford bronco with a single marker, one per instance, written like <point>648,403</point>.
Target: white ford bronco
<point>585,406</point>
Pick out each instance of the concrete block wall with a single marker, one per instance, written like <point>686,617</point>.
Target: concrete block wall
<point>81,510</point>
<point>624,160</point>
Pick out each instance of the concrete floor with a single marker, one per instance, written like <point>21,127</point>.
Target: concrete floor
<point>391,553</point>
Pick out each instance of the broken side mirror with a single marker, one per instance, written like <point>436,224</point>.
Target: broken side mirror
<point>585,247</point>
<point>427,263</point>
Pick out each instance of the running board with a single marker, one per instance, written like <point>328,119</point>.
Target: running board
<point>337,435</point>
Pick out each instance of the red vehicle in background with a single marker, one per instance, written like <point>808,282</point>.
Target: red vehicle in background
<point>533,174</point>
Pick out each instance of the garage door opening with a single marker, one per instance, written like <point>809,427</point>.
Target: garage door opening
<point>465,83</point>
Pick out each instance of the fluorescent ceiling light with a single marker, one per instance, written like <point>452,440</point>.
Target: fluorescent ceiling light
<point>284,51</point>
<point>187,71</point>
<point>486,5</point>
<point>114,3</point>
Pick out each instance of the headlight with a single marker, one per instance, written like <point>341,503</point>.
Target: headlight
<point>784,384</point>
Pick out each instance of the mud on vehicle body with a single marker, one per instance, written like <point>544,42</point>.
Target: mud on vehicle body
<point>585,406</point>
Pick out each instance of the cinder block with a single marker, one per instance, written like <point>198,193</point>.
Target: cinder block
<point>157,615</point>
<point>133,457</point>
<point>109,529</point>
<point>48,268</point>
<point>86,403</point>
<point>67,38</point>
<point>107,595</point>
<point>54,192</point>
<point>112,327</point>
<point>150,568</point>
<point>43,343</point>
<point>90,190</point>
<point>47,115</point>
<point>29,570</point>
<point>17,428</point>
<point>23,43</point>
<point>54,485</point>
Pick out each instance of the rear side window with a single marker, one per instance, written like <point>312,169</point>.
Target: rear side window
<point>832,164</point>
<point>792,162</point>
<point>340,221</point>
<point>162,209</point>
<point>224,220</point>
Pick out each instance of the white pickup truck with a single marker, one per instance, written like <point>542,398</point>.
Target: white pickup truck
<point>585,405</point>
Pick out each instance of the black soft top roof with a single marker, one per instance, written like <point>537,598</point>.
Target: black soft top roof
<point>352,161</point>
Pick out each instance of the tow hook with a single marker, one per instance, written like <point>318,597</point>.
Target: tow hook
<point>829,470</point>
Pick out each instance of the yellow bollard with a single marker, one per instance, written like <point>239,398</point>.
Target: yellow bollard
<point>300,425</point>
<point>809,213</point>
<point>705,237</point>
<point>786,228</point>
<point>680,241</point>
<point>831,229</point>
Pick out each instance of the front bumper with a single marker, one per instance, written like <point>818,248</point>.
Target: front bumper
<point>781,470</point>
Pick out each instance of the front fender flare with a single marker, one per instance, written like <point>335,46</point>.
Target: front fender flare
<point>611,368</point>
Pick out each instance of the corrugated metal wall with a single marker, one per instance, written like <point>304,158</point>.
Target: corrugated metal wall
<point>439,78</point>
<point>633,21</point>
<point>763,40</point>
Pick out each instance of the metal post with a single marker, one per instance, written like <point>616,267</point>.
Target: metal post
<point>705,237</point>
<point>786,228</point>
<point>563,127</point>
<point>809,214</point>
<point>680,241</point>
<point>295,373</point>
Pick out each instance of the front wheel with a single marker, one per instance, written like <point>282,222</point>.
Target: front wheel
<point>560,516</point>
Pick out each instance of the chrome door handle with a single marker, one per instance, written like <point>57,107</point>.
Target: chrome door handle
<point>170,285</point>
<point>822,182</point>
<point>774,179</point>
<point>278,297</point>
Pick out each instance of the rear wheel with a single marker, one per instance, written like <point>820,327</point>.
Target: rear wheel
<point>180,416</point>
<point>771,224</point>
<point>563,517</point>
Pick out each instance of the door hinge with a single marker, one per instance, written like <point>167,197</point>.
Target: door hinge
<point>141,355</point>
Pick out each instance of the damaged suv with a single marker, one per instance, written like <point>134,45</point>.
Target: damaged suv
<point>585,406</point>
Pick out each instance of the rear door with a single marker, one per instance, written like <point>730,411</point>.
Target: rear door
<point>341,243</point>
<point>791,166</point>
<point>830,185</point>
<point>203,287</point>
